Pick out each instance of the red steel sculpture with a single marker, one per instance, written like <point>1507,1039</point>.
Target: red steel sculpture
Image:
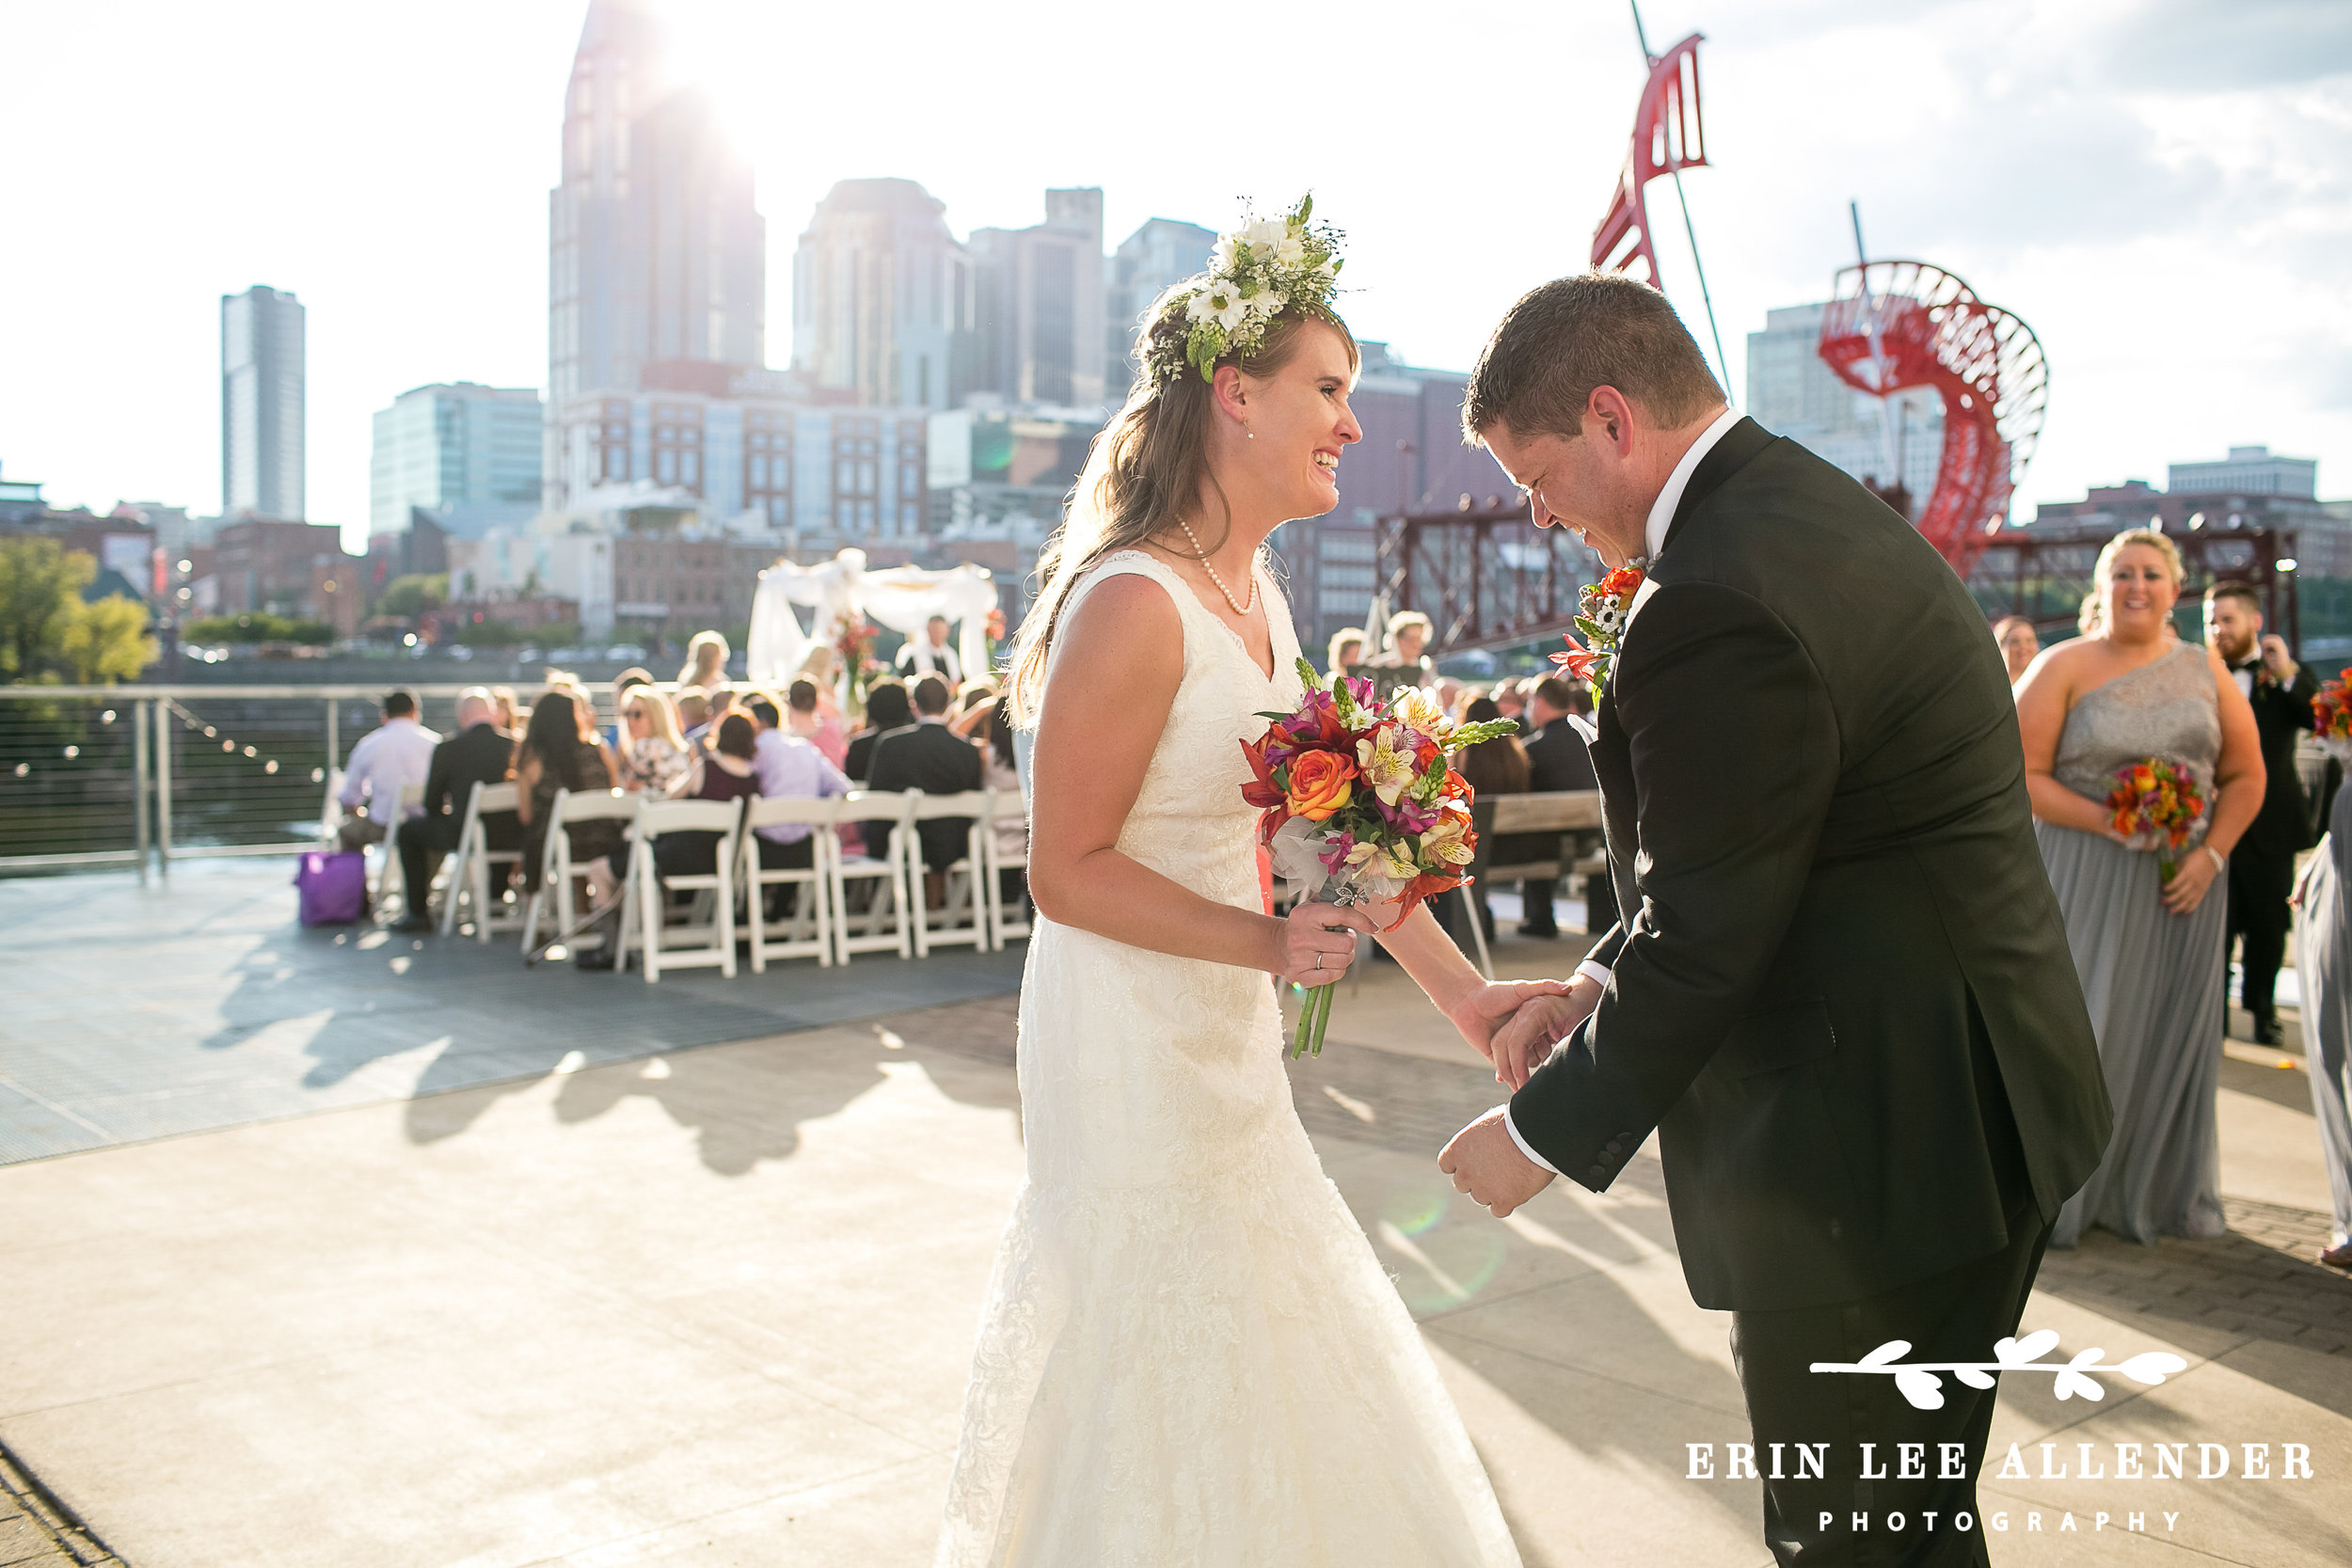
<point>1898,324</point>
<point>1669,136</point>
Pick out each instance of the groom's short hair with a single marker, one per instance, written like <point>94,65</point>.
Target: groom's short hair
<point>1535,375</point>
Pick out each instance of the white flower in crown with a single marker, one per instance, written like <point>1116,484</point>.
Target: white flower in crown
<point>1256,272</point>
<point>1220,301</point>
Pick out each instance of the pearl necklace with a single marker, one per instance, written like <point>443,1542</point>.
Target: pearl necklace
<point>1202,556</point>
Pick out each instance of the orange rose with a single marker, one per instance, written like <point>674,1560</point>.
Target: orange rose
<point>1321,783</point>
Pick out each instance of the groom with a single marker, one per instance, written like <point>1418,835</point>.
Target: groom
<point>1840,990</point>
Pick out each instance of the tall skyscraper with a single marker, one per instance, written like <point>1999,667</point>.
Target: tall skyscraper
<point>882,296</point>
<point>1041,305</point>
<point>468,453</point>
<point>1147,263</point>
<point>655,255</point>
<point>261,404</point>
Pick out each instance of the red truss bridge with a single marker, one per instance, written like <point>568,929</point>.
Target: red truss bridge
<point>1893,325</point>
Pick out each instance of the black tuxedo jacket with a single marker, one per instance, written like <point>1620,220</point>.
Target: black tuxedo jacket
<point>1836,932</point>
<point>2280,713</point>
<point>483,754</point>
<point>937,761</point>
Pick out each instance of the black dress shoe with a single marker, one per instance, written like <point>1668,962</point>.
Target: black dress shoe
<point>594,958</point>
<point>1548,933</point>
<point>2265,1031</point>
<point>416,926</point>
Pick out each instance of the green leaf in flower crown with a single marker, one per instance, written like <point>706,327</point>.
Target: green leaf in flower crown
<point>1306,207</point>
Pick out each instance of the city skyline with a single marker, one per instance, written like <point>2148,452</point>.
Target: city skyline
<point>2123,175</point>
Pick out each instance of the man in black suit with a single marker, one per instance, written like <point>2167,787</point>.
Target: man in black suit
<point>934,759</point>
<point>1840,990</point>
<point>1556,759</point>
<point>2262,867</point>
<point>478,753</point>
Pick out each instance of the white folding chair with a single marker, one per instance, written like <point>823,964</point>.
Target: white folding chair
<point>1005,806</point>
<point>473,865</point>
<point>331,809</point>
<point>888,874</point>
<point>963,874</point>
<point>554,901</point>
<point>644,902</point>
<point>809,931</point>
<point>389,877</point>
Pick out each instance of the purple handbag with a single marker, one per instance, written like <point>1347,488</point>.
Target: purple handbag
<point>333,885</point>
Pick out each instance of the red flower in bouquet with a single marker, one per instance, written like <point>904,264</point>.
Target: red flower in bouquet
<point>2332,711</point>
<point>2157,804</point>
<point>1358,803</point>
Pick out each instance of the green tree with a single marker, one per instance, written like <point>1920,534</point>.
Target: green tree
<point>47,633</point>
<point>412,595</point>
<point>107,641</point>
<point>40,588</point>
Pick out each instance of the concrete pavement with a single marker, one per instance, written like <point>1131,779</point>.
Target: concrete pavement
<point>714,1306</point>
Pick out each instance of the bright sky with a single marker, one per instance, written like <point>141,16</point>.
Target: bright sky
<point>2162,188</point>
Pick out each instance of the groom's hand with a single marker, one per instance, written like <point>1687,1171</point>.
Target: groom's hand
<point>1484,1011</point>
<point>1485,1162</point>
<point>1526,1042</point>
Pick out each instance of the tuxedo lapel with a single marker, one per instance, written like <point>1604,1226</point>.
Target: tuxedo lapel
<point>1735,451</point>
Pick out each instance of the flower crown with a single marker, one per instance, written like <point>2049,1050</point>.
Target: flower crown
<point>1255,272</point>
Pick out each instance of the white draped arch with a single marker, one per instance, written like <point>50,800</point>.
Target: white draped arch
<point>899,597</point>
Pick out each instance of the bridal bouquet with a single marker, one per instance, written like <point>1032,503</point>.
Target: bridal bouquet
<point>2332,709</point>
<point>2156,805</point>
<point>1359,805</point>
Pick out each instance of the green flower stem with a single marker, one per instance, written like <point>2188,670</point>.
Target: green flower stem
<point>1314,1015</point>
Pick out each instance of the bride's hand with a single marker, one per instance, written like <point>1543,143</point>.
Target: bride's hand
<point>1318,943</point>
<point>1483,1013</point>
<point>1526,1042</point>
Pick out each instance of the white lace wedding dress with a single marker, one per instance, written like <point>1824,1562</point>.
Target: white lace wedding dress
<point>1190,1355</point>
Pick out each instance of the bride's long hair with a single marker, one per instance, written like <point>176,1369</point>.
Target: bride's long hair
<point>1144,473</point>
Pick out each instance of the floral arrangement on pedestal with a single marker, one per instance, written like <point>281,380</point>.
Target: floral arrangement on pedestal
<point>853,641</point>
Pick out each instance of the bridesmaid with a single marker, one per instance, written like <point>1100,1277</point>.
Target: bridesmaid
<point>2323,963</point>
<point>2149,951</point>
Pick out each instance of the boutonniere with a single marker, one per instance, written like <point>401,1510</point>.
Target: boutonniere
<point>1601,610</point>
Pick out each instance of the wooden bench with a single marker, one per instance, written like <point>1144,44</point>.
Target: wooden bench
<point>1562,812</point>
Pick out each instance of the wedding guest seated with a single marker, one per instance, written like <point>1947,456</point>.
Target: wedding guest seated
<point>727,772</point>
<point>616,733</point>
<point>384,762</point>
<point>1492,767</point>
<point>1510,703</point>
<point>554,756</point>
<point>931,758</point>
<point>693,711</point>
<point>807,720</point>
<point>785,765</point>
<point>478,753</point>
<point>654,757</point>
<point>510,713</point>
<point>1001,774</point>
<point>887,712</point>
<point>1557,759</point>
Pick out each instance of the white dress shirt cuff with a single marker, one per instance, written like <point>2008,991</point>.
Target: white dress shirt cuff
<point>1525,1147</point>
<point>1597,973</point>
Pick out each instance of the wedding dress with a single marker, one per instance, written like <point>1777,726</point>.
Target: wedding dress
<point>1190,1355</point>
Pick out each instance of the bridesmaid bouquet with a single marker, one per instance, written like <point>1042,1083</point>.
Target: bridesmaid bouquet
<point>1359,804</point>
<point>2332,711</point>
<point>2156,805</point>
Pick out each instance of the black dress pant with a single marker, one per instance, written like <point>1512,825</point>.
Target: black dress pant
<point>2259,888</point>
<point>1912,1503</point>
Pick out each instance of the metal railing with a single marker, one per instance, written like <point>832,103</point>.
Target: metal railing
<point>141,775</point>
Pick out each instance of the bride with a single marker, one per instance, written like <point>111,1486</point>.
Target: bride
<point>1189,1352</point>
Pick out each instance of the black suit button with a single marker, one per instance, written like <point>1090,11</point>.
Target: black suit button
<point>1597,1172</point>
<point>1614,1146</point>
